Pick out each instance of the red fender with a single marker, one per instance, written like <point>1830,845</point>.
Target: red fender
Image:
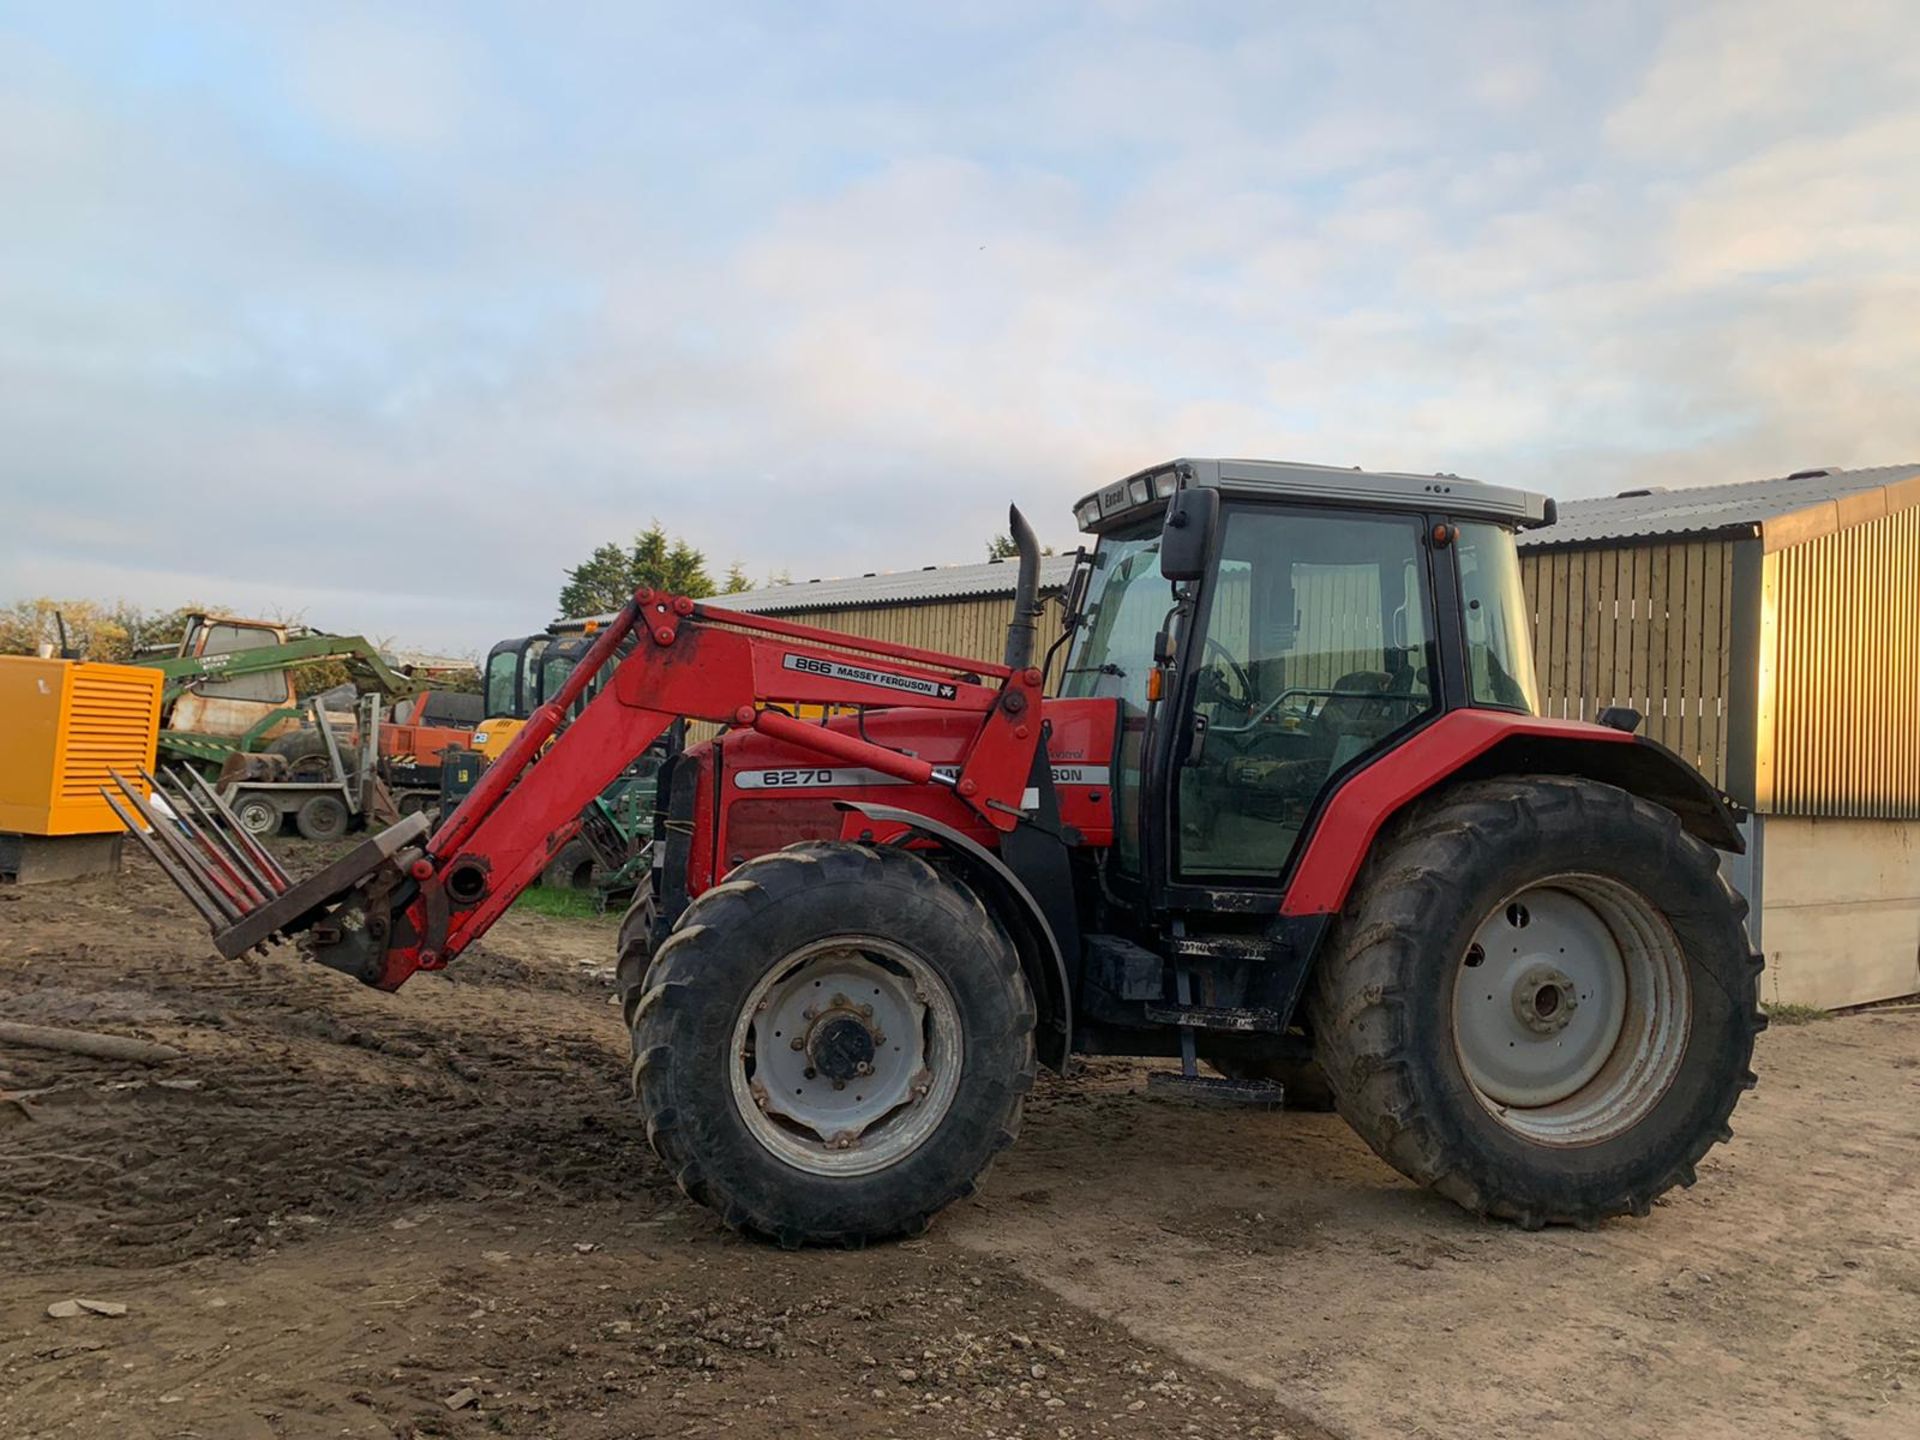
<point>1340,842</point>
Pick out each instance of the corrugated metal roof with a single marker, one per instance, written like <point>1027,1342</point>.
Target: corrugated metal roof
<point>1707,509</point>
<point>896,587</point>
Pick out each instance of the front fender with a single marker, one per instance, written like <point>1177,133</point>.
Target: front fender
<point>1013,904</point>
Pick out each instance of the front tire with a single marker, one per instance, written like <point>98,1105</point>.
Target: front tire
<point>1540,1001</point>
<point>832,1045</point>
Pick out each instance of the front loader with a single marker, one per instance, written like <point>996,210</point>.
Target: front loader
<point>1292,813</point>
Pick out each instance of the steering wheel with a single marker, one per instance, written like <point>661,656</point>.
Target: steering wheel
<point>1239,674</point>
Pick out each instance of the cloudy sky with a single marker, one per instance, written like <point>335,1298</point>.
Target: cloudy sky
<point>387,315</point>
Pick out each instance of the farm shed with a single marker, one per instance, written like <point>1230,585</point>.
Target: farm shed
<point>1770,632</point>
<point>959,609</point>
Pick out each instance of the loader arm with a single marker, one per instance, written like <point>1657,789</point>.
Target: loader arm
<point>406,901</point>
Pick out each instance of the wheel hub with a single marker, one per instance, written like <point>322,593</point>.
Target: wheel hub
<point>1571,1009</point>
<point>842,1048</point>
<point>1544,1000</point>
<point>1540,1001</point>
<point>847,1056</point>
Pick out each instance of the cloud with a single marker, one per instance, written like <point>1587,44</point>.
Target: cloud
<point>390,320</point>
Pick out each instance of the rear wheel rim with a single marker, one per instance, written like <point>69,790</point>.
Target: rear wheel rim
<point>1571,1010</point>
<point>259,818</point>
<point>846,1056</point>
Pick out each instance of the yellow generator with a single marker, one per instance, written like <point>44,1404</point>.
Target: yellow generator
<point>64,724</point>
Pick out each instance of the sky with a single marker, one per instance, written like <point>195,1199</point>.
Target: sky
<point>384,316</point>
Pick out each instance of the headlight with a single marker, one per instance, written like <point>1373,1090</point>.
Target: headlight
<point>1088,514</point>
<point>1165,483</point>
<point>1139,491</point>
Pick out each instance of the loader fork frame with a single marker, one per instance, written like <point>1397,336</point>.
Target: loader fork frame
<point>415,904</point>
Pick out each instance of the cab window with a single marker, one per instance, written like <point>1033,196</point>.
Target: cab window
<point>1315,651</point>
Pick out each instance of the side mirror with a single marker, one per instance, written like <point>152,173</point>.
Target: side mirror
<point>1074,600</point>
<point>1188,533</point>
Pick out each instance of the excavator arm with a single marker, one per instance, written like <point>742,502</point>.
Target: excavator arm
<point>405,900</point>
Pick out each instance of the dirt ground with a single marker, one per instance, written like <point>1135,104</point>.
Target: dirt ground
<point>346,1214</point>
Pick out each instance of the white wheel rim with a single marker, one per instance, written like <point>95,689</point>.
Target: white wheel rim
<point>259,818</point>
<point>1571,1010</point>
<point>810,1026</point>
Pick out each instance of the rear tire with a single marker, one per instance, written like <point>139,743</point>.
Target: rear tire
<point>719,1041</point>
<point>324,817</point>
<point>1540,1001</point>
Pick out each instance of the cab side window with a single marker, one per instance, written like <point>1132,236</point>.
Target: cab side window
<point>1315,651</point>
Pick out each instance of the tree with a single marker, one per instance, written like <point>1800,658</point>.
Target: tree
<point>608,577</point>
<point>601,584</point>
<point>1001,547</point>
<point>113,632</point>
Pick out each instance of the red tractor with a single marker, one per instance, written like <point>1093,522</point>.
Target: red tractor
<point>1293,814</point>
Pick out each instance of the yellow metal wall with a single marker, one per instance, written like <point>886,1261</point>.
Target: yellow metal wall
<point>1644,626</point>
<point>1838,730</point>
<point>64,725</point>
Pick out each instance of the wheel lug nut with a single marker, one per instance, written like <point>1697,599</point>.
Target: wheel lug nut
<point>808,1073</point>
<point>863,1068</point>
<point>866,1012</point>
<point>839,1084</point>
<point>799,1042</point>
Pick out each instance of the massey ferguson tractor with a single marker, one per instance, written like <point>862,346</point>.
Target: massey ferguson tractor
<point>1292,814</point>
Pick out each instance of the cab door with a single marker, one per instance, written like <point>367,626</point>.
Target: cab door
<point>1311,651</point>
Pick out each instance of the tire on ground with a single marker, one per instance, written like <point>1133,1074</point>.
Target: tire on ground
<point>733,936</point>
<point>572,869</point>
<point>635,948</point>
<point>323,817</point>
<point>258,815</point>
<point>1382,1005</point>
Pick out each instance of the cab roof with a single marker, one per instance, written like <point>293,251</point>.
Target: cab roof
<point>1137,495</point>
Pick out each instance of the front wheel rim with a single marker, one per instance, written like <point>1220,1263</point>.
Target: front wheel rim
<point>1571,1010</point>
<point>846,1055</point>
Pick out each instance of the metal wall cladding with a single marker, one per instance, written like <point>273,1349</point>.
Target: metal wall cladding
<point>1838,730</point>
<point>976,628</point>
<point>1643,626</point>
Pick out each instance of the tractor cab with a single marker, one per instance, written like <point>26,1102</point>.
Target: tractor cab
<point>1270,628</point>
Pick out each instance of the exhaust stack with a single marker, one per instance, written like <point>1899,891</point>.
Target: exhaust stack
<point>1026,592</point>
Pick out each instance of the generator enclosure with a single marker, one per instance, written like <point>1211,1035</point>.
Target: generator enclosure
<point>64,725</point>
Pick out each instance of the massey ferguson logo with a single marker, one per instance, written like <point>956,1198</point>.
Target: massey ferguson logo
<point>861,675</point>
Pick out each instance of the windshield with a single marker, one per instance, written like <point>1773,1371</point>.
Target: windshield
<point>1127,602</point>
<point>1499,621</point>
<point>503,673</point>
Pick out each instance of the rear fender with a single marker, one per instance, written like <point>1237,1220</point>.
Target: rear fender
<point>1474,744</point>
<point>1010,902</point>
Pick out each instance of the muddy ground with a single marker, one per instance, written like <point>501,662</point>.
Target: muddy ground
<point>344,1210</point>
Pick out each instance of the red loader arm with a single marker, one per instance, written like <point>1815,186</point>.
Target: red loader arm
<point>399,903</point>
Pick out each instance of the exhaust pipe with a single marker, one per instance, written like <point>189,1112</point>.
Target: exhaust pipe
<point>1026,592</point>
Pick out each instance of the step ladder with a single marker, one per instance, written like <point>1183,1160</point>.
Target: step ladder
<point>1189,1083</point>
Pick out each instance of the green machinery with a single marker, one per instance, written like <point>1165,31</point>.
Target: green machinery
<point>611,853</point>
<point>228,685</point>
